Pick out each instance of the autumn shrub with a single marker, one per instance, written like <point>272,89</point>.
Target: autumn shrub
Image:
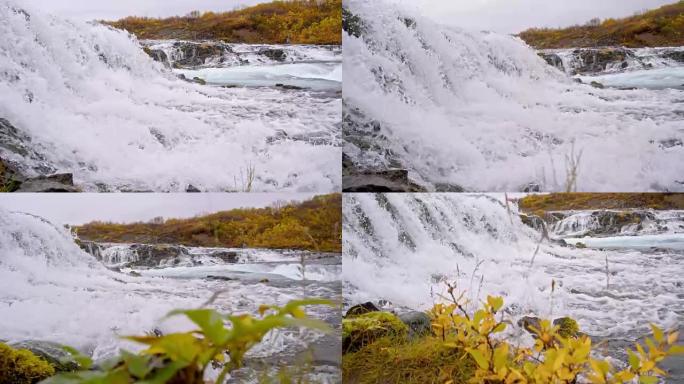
<point>220,340</point>
<point>469,348</point>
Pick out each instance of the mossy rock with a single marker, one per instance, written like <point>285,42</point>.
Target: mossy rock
<point>53,353</point>
<point>568,327</point>
<point>21,366</point>
<point>364,329</point>
<point>580,245</point>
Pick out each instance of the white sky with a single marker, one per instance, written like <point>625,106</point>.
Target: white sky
<point>116,9</point>
<point>513,16</point>
<point>80,208</point>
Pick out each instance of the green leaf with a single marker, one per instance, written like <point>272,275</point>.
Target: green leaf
<point>138,365</point>
<point>163,375</point>
<point>479,358</point>
<point>495,302</point>
<point>84,362</point>
<point>209,321</point>
<point>633,359</point>
<point>648,380</point>
<point>676,350</point>
<point>657,333</point>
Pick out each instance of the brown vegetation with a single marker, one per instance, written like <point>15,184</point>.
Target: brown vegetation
<point>312,225</point>
<point>656,28</point>
<point>540,204</point>
<point>292,21</point>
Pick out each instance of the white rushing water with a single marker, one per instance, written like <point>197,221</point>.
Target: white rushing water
<point>484,111</point>
<point>51,290</point>
<point>401,247</point>
<point>661,78</point>
<point>86,99</point>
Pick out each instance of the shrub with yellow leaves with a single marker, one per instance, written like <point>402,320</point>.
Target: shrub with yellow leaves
<point>553,358</point>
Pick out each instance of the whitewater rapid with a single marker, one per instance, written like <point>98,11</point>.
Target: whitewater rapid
<point>51,290</point>
<point>86,99</point>
<point>401,248</point>
<point>484,112</point>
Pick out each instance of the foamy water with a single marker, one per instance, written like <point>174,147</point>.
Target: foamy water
<point>86,99</point>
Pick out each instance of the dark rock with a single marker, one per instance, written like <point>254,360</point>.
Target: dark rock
<point>531,188</point>
<point>135,274</point>
<point>199,81</point>
<point>227,256</point>
<point>196,54</point>
<point>444,187</point>
<point>596,60</point>
<point>361,309</point>
<point>395,180</point>
<point>274,54</point>
<point>418,323</point>
<point>553,60</point>
<point>596,84</point>
<point>351,23</point>
<point>675,55</point>
<point>157,55</point>
<point>286,86</point>
<point>53,353</point>
<point>532,221</point>
<point>529,323</point>
<point>63,182</point>
<point>192,189</point>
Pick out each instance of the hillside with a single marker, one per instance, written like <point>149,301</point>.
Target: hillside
<point>313,225</point>
<point>278,22</point>
<point>540,204</point>
<point>662,27</point>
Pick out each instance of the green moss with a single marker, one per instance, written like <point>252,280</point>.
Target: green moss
<point>365,329</point>
<point>391,360</point>
<point>568,327</point>
<point>22,366</point>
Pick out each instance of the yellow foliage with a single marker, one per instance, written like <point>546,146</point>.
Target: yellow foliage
<point>660,27</point>
<point>553,358</point>
<point>314,225</point>
<point>292,21</point>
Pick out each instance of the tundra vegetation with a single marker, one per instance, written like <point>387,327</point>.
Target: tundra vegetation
<point>661,27</point>
<point>314,225</point>
<point>277,22</point>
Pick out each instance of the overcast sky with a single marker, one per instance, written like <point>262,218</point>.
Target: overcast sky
<point>116,9</point>
<point>80,208</point>
<point>512,16</point>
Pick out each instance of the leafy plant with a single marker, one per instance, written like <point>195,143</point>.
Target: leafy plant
<point>182,358</point>
<point>558,356</point>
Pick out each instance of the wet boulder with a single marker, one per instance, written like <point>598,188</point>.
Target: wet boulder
<point>418,323</point>
<point>361,309</point>
<point>53,353</point>
<point>365,329</point>
<point>275,54</point>
<point>552,59</point>
<point>61,182</point>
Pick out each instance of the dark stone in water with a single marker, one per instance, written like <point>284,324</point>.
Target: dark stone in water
<point>395,180</point>
<point>419,323</point>
<point>361,309</point>
<point>192,189</point>
<point>62,182</point>
<point>287,86</point>
<point>274,54</point>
